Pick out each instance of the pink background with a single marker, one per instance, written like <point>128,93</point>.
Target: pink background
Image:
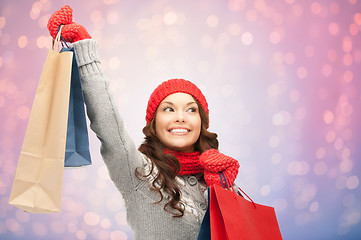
<point>282,79</point>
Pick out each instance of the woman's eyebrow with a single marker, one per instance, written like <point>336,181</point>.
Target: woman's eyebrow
<point>170,103</point>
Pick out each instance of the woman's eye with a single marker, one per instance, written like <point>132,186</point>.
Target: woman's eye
<point>192,110</point>
<point>168,109</point>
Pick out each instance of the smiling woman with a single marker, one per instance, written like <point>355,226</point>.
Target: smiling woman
<point>163,182</point>
<point>178,123</point>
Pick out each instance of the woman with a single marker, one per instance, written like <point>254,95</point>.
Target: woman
<point>163,182</point>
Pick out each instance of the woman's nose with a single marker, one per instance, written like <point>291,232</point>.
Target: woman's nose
<point>180,116</point>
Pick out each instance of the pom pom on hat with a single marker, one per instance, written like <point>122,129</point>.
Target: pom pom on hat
<point>174,86</point>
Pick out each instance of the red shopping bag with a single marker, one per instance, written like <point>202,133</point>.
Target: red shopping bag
<point>235,218</point>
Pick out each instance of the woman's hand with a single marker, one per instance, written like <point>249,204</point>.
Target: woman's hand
<point>214,162</point>
<point>71,31</point>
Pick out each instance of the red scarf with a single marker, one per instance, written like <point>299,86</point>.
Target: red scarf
<point>189,162</point>
<point>210,163</point>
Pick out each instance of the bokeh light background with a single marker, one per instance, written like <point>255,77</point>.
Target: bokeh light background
<point>282,79</point>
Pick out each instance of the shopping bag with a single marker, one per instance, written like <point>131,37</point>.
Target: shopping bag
<point>235,218</point>
<point>37,185</point>
<point>77,143</point>
<point>205,230</point>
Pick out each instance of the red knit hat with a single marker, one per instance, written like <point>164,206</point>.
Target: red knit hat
<point>174,86</point>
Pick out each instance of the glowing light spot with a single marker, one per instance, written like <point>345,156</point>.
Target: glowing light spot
<point>265,190</point>
<point>276,158</point>
<point>352,182</point>
<point>316,8</point>
<point>72,228</point>
<point>314,206</point>
<point>112,18</point>
<point>290,58</point>
<point>301,72</point>
<point>340,183</point>
<point>115,235</point>
<point>347,44</point>
<point>234,29</point>
<point>320,168</point>
<point>294,96</point>
<point>40,229</point>
<point>320,153</point>
<point>12,225</point>
<point>96,16</point>
<point>353,29</point>
<point>338,144</point>
<point>170,18</point>
<point>109,2</point>
<point>274,141</point>
<point>2,22</point>
<point>212,21</point>
<point>277,18</point>
<point>22,41</point>
<point>347,59</point>
<point>346,166</point>
<point>308,192</point>
<point>275,37</point>
<point>330,136</point>
<point>22,216</point>
<point>357,55</point>
<point>333,29</point>
<point>298,168</point>
<point>251,15</point>
<point>247,38</point>
<point>206,41</point>
<point>327,70</point>
<point>35,10</point>
<point>106,223</point>
<point>43,42</point>
<point>91,218</point>
<point>23,112</point>
<point>328,117</point>
<point>281,118</point>
<point>81,235</point>
<point>356,17</point>
<point>290,1</point>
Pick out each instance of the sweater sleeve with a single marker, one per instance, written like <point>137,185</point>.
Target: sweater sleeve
<point>117,149</point>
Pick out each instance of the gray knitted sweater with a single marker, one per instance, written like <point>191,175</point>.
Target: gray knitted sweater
<point>148,220</point>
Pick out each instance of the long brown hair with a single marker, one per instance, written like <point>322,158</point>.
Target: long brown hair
<point>168,165</point>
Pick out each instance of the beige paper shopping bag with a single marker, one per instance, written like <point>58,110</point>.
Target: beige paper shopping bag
<point>37,185</point>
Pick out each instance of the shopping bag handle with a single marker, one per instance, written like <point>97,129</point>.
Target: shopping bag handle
<point>223,178</point>
<point>63,42</point>
<point>57,39</point>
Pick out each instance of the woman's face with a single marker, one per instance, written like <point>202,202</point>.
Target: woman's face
<point>178,122</point>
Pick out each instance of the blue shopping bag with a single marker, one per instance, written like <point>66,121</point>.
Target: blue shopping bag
<point>205,230</point>
<point>77,143</point>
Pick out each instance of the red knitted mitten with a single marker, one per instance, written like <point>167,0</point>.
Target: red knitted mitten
<point>213,161</point>
<point>71,31</point>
